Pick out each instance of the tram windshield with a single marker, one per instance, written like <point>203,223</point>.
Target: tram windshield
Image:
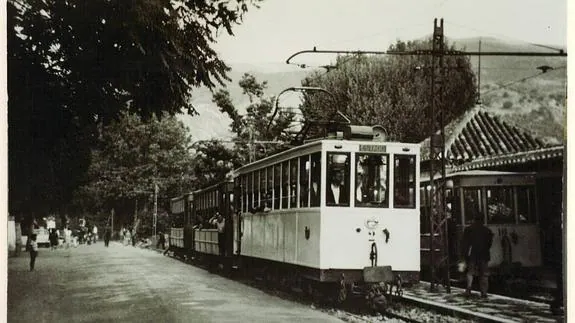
<point>500,205</point>
<point>337,188</point>
<point>371,180</point>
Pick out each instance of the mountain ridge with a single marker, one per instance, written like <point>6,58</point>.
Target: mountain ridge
<point>536,103</point>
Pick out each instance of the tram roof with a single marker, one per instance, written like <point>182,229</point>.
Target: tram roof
<point>316,146</point>
<point>470,173</point>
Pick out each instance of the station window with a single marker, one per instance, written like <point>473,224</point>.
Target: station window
<point>293,164</point>
<point>270,187</point>
<point>472,204</point>
<point>277,185</point>
<point>337,186</point>
<point>526,212</point>
<point>315,184</point>
<point>285,184</point>
<point>404,181</point>
<point>500,205</point>
<point>304,173</point>
<point>371,180</point>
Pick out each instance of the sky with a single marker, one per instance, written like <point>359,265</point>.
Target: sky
<point>279,28</point>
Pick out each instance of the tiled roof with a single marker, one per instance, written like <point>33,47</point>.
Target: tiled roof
<point>478,135</point>
<point>512,159</point>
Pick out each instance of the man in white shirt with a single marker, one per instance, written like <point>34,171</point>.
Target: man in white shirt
<point>337,194</point>
<point>219,221</point>
<point>95,233</point>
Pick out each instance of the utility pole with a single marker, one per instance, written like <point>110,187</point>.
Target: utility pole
<point>438,218</point>
<point>439,261</point>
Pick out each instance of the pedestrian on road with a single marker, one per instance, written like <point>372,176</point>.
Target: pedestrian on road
<point>67,237</point>
<point>107,236</point>
<point>33,251</point>
<point>95,233</point>
<point>477,240</point>
<point>161,241</point>
<point>219,221</point>
<point>53,239</point>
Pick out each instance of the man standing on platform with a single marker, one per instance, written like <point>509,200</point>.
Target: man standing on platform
<point>477,240</point>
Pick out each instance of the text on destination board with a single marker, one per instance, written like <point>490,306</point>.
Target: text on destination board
<point>372,148</point>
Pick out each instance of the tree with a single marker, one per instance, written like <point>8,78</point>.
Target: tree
<point>132,156</point>
<point>74,66</point>
<point>391,91</point>
<point>252,140</point>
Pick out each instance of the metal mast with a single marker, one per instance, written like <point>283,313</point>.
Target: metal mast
<point>438,220</point>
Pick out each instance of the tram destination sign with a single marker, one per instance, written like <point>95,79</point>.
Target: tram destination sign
<point>373,148</point>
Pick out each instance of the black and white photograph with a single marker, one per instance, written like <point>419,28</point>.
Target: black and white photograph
<point>285,161</point>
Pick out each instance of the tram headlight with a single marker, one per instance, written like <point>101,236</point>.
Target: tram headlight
<point>371,224</point>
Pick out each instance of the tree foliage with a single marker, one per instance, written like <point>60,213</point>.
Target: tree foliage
<point>391,91</point>
<point>131,157</point>
<point>74,65</point>
<point>252,139</point>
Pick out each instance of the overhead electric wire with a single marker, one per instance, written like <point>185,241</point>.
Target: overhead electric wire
<point>504,86</point>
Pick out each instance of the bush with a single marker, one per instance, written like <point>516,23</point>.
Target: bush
<point>507,105</point>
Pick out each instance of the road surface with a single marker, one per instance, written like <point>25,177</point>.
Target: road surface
<point>126,284</point>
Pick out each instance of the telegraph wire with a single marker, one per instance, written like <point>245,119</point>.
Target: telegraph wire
<point>507,85</point>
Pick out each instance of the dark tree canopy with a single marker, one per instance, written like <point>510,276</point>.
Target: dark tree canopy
<point>74,66</point>
<point>131,157</point>
<point>391,91</point>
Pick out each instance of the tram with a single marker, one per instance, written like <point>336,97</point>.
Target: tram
<point>507,202</point>
<point>331,214</point>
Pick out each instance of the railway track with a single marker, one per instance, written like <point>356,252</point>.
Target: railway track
<point>356,310</point>
<point>399,309</point>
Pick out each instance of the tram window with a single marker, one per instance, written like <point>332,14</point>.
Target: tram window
<point>371,180</point>
<point>285,184</point>
<point>472,204</point>
<point>404,181</point>
<point>423,211</point>
<point>315,185</point>
<point>244,193</point>
<point>337,187</point>
<point>263,199</point>
<point>526,204</point>
<point>256,194</point>
<point>293,182</point>
<point>269,188</point>
<point>500,205</point>
<point>249,190</point>
<point>454,206</point>
<point>277,186</point>
<point>304,169</point>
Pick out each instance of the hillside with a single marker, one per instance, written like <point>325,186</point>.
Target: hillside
<point>514,89</point>
<point>211,123</point>
<point>536,104</point>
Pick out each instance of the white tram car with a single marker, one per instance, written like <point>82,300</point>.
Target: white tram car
<point>332,211</point>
